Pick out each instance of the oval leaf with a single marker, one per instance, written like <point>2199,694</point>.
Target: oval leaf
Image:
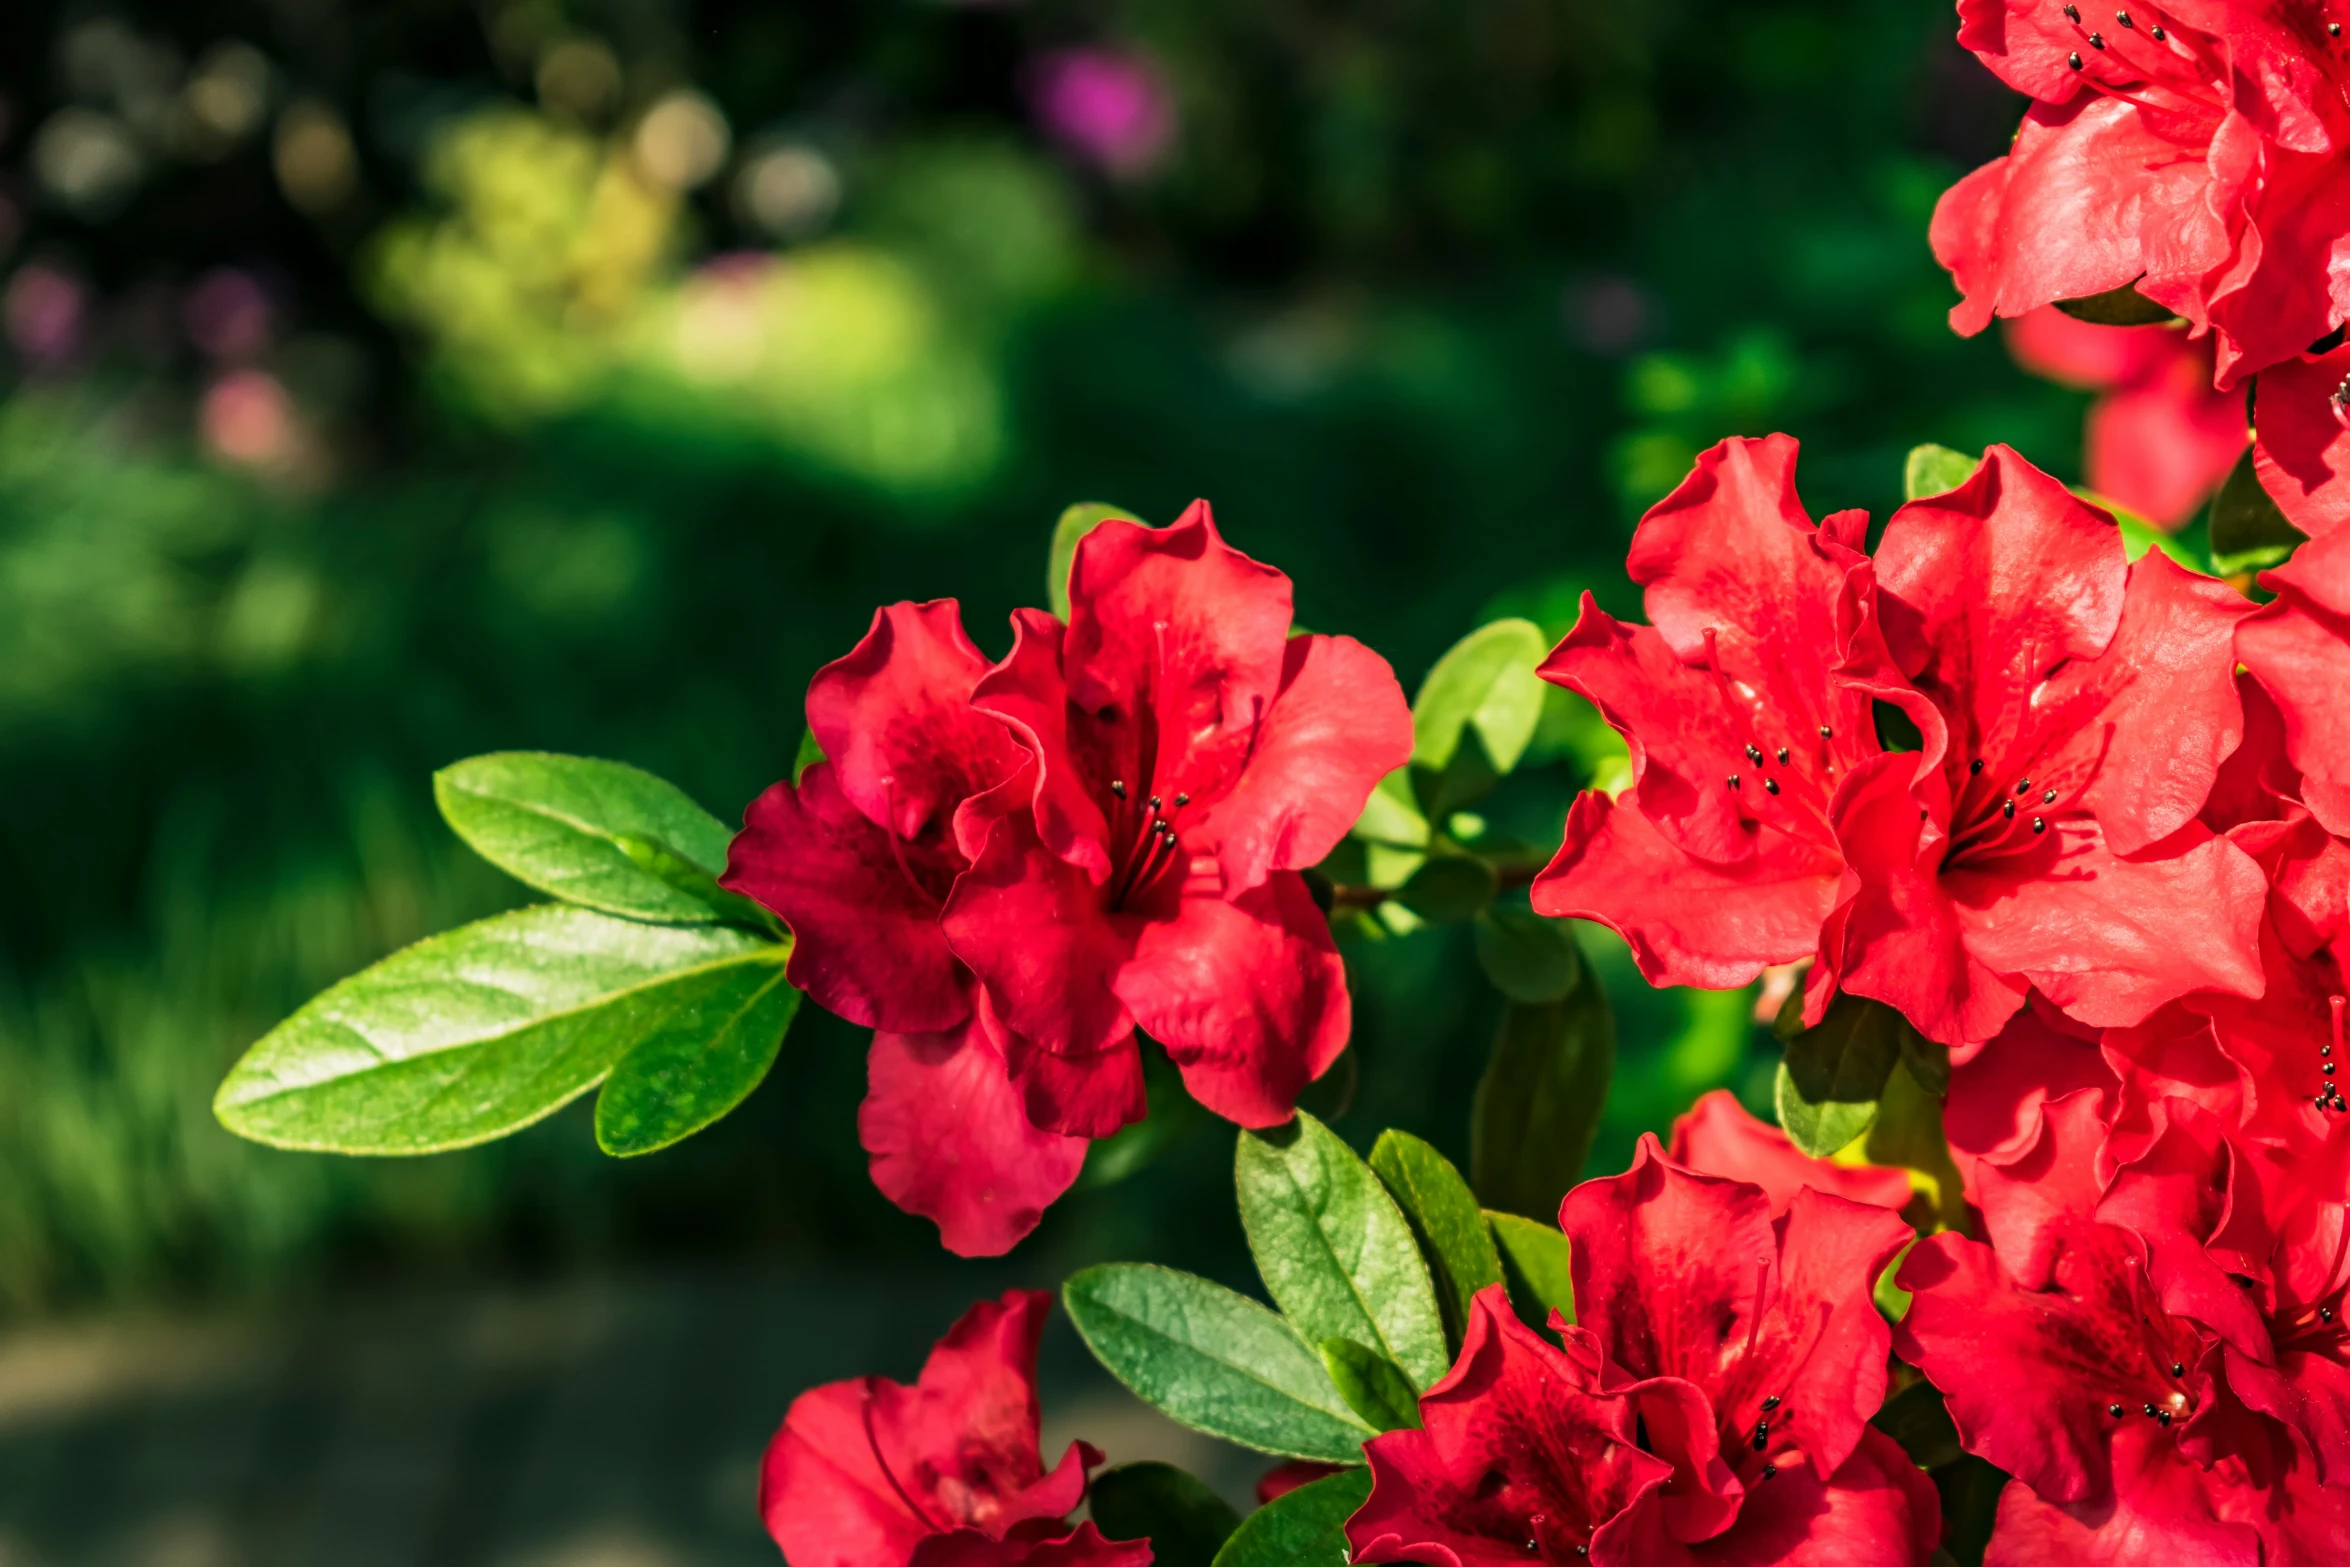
<point>1537,1107</point>
<point>1372,1385</point>
<point>476,1032</point>
<point>600,834</point>
<point>2123,306</point>
<point>2248,530</point>
<point>1448,888</point>
<point>1476,714</point>
<point>1076,522</point>
<point>1333,1248</point>
<point>1833,1073</point>
<point>1535,1256</point>
<point>1935,470</point>
<point>1214,1360</point>
<point>1445,1220</point>
<point>1528,958</point>
<point>701,1061</point>
<point>1185,1522</point>
<point>1305,1528</point>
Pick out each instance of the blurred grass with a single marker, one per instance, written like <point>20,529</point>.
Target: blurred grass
<point>1430,304</point>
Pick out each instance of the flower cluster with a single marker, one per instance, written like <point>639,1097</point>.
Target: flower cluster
<point>1005,870</point>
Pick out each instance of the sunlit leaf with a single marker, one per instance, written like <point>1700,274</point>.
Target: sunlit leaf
<point>1445,1220</point>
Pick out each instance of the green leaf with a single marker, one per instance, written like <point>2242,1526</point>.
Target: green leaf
<point>1448,888</point>
<point>1213,1360</point>
<point>1934,470</point>
<point>1908,1135</point>
<point>1535,1255</point>
<point>2248,531</point>
<point>1528,958</point>
<point>1172,1115</point>
<point>1185,1522</point>
<point>702,1061</point>
<point>1917,1418</point>
<point>1305,1528</point>
<point>1537,1107</point>
<point>600,834</point>
<point>2123,306</point>
<point>1372,1385</point>
<point>1970,1508</point>
<point>1076,522</point>
<point>1833,1075</point>
<point>479,1031</point>
<point>1476,714</point>
<point>1333,1248</point>
<point>1445,1220</point>
<point>810,753</point>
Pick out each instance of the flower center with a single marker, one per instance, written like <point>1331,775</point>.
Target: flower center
<point>1145,849</point>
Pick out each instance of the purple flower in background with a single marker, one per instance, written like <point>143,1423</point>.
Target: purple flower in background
<point>229,314</point>
<point>45,311</point>
<point>1110,108</point>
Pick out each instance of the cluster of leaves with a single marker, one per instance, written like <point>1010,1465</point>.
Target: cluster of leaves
<point>1372,1267</point>
<point>646,977</point>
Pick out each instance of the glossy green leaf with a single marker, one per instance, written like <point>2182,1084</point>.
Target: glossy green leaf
<point>1448,888</point>
<point>1445,1220</point>
<point>1907,1134</point>
<point>1535,1256</point>
<point>1528,958</point>
<point>1538,1105</point>
<point>1076,522</point>
<point>2123,306</point>
<point>1934,470</point>
<point>1333,1248</point>
<point>1476,714</point>
<point>2248,530</point>
<point>1305,1528</point>
<point>479,1031</point>
<point>1373,1386</point>
<point>1185,1522</point>
<point>600,834</point>
<point>1833,1075</point>
<point>702,1060</point>
<point>1213,1360</point>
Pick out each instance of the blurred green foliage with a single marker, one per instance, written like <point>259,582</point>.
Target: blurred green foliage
<point>554,438</point>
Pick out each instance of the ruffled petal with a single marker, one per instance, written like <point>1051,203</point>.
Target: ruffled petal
<point>1687,921</point>
<point>950,1138</point>
<point>2303,453</point>
<point>866,941</point>
<point>2160,1509</point>
<point>1718,1136</point>
<point>1031,926</point>
<point>1877,1510</point>
<point>1247,994</point>
<point>2298,647</point>
<point>894,717</point>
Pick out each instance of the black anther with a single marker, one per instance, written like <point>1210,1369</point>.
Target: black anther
<point>2023,786</point>
<point>2162,1417</point>
<point>2074,59</point>
<point>1782,756</point>
<point>2039,825</point>
<point>2158,34</point>
<point>2177,1369</point>
<point>1753,752</point>
<point>1974,767</point>
<point>1154,802</point>
<point>2325,1313</point>
<point>2048,797</point>
<point>1771,784</point>
<point>2150,1411</point>
<point>1826,733</point>
<point>1733,780</point>
<point>1771,1402</point>
<point>2096,40</point>
<point>1770,1471</point>
<point>2114,1410</point>
<point>1185,799</point>
<point>2123,17</point>
<point>1118,787</point>
<point>2072,13</point>
<point>2007,809</point>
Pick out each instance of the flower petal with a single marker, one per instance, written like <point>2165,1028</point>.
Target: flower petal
<point>951,1139</point>
<point>866,941</point>
<point>2298,647</point>
<point>1877,1510</point>
<point>1718,1136</point>
<point>1031,926</point>
<point>2160,1509</point>
<point>1248,995</point>
<point>895,719</point>
<point>2303,453</point>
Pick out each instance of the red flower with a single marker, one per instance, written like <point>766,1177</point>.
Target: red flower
<point>1517,1460</point>
<point>2303,450</point>
<point>2298,647</point>
<point>2083,1352</point>
<point>2196,152</point>
<point>1746,706</point>
<point>2074,710</point>
<point>2159,439</point>
<point>858,859</point>
<point>1190,756</point>
<point>1718,1136</point>
<point>946,1473</point>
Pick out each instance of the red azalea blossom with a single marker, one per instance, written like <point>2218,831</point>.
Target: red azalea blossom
<point>2298,647</point>
<point>946,1473</point>
<point>1189,758</point>
<point>1712,1405</point>
<point>2302,413</point>
<point>1003,870</point>
<point>2089,1351</point>
<point>858,859</point>
<point>2195,150</point>
<point>1719,1136</point>
<point>2075,709</point>
<point>2159,438</point>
